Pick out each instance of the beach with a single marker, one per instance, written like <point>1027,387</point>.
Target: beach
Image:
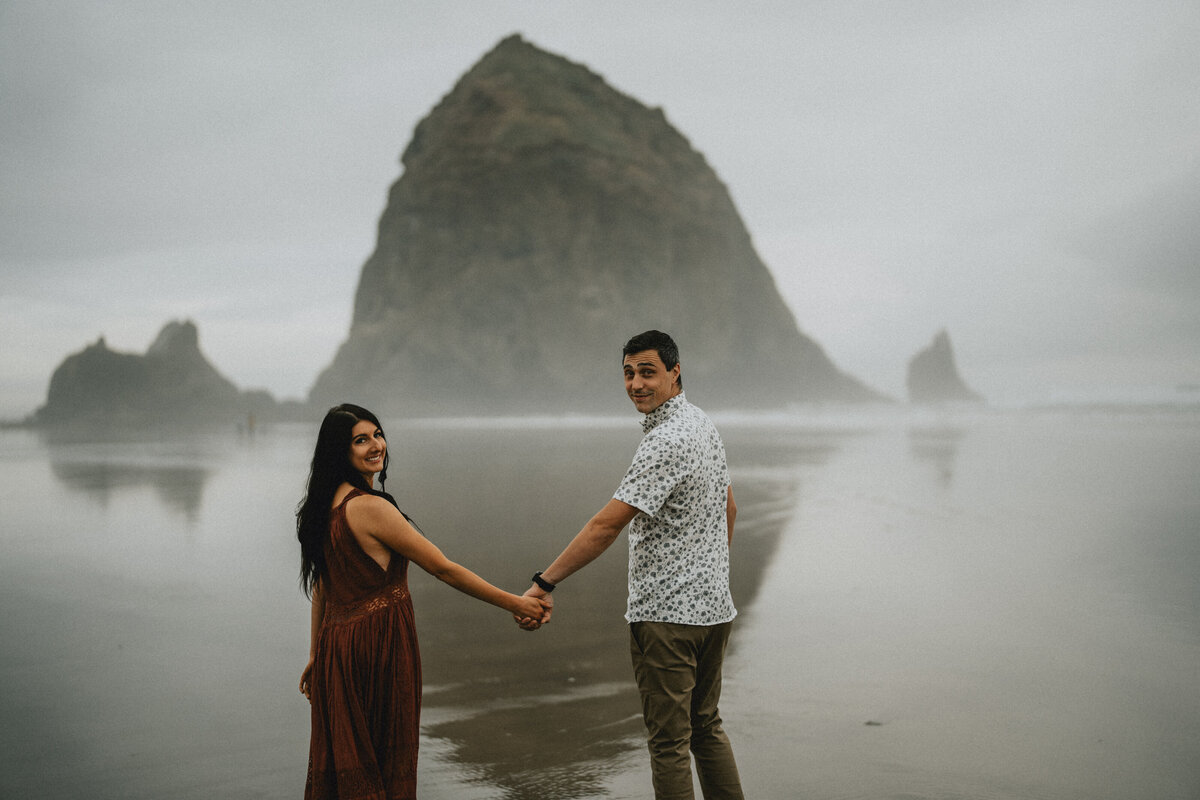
<point>968,604</point>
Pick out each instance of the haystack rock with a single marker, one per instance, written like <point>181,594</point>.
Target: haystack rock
<point>543,218</point>
<point>171,383</point>
<point>933,376</point>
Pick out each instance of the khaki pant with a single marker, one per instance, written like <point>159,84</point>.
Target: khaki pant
<point>678,671</point>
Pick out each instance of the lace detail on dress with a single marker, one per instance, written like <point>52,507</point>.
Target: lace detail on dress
<point>390,596</point>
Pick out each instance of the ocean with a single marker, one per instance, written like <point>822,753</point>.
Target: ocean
<point>956,604</point>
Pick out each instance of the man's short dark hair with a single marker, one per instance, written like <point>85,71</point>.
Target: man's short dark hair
<point>657,341</point>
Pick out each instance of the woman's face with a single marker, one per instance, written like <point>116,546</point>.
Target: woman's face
<point>367,450</point>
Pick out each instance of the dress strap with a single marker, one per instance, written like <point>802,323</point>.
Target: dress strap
<point>354,492</point>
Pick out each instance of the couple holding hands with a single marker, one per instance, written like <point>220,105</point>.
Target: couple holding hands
<point>363,677</point>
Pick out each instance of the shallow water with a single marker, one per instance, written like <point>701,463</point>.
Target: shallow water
<point>988,606</point>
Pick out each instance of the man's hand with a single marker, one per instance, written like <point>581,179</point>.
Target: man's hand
<point>543,597</point>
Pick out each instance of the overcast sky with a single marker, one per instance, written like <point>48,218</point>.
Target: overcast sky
<point>1025,175</point>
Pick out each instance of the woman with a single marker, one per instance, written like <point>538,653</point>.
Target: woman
<point>363,676</point>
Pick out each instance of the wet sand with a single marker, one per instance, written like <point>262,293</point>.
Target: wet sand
<point>994,606</point>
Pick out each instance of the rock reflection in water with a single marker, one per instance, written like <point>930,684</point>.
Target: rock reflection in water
<point>180,488</point>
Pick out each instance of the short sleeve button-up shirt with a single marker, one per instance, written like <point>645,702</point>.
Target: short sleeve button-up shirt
<point>678,544</point>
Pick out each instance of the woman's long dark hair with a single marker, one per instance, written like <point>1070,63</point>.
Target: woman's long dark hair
<point>330,469</point>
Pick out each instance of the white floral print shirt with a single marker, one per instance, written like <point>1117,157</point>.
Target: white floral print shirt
<point>678,544</point>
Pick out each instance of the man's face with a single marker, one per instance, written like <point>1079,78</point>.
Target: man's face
<point>648,382</point>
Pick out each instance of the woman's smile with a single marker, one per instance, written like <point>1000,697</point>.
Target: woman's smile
<point>368,450</point>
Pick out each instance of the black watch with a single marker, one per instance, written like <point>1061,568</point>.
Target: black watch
<point>545,585</point>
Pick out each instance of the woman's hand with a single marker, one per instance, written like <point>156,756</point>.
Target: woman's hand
<point>306,681</point>
<point>537,617</point>
<point>531,612</point>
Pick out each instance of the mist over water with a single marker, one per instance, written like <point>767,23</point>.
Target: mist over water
<point>997,605</point>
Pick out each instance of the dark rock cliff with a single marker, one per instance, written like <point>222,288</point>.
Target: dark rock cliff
<point>543,218</point>
<point>933,375</point>
<point>172,383</point>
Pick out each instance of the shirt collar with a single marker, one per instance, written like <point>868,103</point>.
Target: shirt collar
<point>660,414</point>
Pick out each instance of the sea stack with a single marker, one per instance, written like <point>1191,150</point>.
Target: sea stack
<point>541,219</point>
<point>171,383</point>
<point>933,376</point>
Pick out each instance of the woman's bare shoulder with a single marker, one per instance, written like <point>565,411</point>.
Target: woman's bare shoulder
<point>346,494</point>
<point>369,506</point>
<point>341,493</point>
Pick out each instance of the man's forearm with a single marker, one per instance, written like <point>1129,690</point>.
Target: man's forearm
<point>586,547</point>
<point>596,537</point>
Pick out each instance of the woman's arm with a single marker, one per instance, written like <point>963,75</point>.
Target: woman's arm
<point>383,523</point>
<point>318,617</point>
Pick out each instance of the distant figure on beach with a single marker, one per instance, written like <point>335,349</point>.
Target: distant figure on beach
<point>678,503</point>
<point>363,676</point>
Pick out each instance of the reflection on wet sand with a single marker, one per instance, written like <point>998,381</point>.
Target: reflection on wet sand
<point>563,747</point>
<point>1028,630</point>
<point>550,713</point>
<point>938,447</point>
<point>180,488</point>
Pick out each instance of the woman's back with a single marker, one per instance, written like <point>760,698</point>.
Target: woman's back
<point>353,574</point>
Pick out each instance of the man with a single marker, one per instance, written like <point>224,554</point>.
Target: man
<point>679,500</point>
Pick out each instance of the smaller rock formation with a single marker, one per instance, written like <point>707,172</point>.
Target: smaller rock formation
<point>173,383</point>
<point>933,377</point>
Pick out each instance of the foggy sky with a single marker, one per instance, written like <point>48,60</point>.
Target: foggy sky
<point>1025,175</point>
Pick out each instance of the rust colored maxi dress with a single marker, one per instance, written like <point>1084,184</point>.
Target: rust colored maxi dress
<point>366,677</point>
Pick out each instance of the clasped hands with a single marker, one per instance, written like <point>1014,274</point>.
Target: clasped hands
<point>545,601</point>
